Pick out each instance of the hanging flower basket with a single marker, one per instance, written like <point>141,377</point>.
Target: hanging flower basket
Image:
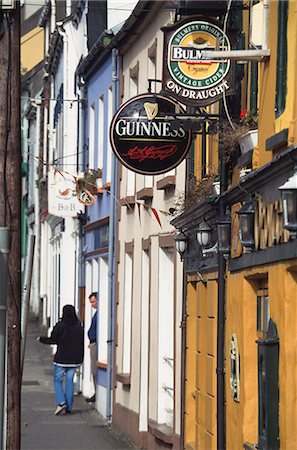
<point>90,180</point>
<point>248,141</point>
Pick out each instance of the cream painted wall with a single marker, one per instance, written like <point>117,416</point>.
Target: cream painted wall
<point>32,40</point>
<point>136,226</point>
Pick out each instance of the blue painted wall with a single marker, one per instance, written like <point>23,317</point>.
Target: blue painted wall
<point>98,86</point>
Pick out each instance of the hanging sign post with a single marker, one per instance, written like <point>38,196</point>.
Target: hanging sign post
<point>146,137</point>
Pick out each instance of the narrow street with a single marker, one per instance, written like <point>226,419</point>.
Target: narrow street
<point>41,429</point>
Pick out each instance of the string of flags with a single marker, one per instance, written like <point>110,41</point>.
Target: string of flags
<point>67,191</point>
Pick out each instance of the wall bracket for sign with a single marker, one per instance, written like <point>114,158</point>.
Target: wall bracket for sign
<point>196,120</point>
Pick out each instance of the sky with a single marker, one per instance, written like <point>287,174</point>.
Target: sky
<point>119,11</point>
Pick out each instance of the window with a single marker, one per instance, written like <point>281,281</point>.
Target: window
<point>281,62</point>
<point>144,372</point>
<point>58,134</point>
<point>101,236</point>
<point>127,322</point>
<point>103,311</point>
<point>100,132</point>
<point>166,337</point>
<point>133,85</point>
<point>109,151</point>
<point>263,312</point>
<point>151,65</point>
<point>130,191</point>
<point>92,137</point>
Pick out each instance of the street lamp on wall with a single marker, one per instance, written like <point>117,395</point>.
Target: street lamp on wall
<point>224,232</point>
<point>203,234</point>
<point>288,193</point>
<point>246,225</point>
<point>181,243</point>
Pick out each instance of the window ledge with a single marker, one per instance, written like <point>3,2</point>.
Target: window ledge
<point>161,431</point>
<point>166,183</point>
<point>124,378</point>
<point>145,194</point>
<point>128,201</point>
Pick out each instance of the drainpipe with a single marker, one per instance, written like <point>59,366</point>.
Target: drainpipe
<point>81,125</point>
<point>37,147</point>
<point>68,8</point>
<point>183,358</point>
<point>26,297</point>
<point>112,224</point>
<point>4,251</point>
<point>53,16</point>
<point>221,420</point>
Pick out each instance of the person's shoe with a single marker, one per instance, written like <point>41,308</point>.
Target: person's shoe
<point>60,408</point>
<point>91,399</point>
<point>68,411</point>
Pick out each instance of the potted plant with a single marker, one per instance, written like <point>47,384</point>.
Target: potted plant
<point>90,181</point>
<point>249,120</point>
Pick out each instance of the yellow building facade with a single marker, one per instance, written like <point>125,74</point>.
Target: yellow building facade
<point>260,277</point>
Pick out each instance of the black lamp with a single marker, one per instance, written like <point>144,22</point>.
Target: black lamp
<point>224,231</point>
<point>181,243</point>
<point>204,234</point>
<point>246,225</point>
<point>289,200</point>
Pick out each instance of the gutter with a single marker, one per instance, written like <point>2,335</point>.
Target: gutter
<point>281,163</point>
<point>138,21</point>
<point>95,57</point>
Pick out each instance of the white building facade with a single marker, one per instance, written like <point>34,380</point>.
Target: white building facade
<point>150,275</point>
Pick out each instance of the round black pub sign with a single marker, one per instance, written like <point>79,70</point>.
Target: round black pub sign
<point>146,137</point>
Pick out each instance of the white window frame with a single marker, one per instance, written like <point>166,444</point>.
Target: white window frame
<point>101,125</point>
<point>127,313</point>
<point>92,137</point>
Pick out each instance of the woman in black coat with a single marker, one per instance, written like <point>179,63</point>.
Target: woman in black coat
<point>68,335</point>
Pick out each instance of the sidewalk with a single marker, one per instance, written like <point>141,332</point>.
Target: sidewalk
<point>41,429</point>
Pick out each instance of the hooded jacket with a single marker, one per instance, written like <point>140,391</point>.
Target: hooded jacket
<point>68,335</point>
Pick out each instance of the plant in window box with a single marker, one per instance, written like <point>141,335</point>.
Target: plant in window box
<point>249,120</point>
<point>244,134</point>
<point>90,181</point>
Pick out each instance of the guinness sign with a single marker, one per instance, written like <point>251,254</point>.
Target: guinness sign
<point>188,74</point>
<point>145,136</point>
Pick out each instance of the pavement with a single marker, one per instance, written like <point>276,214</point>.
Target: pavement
<point>40,428</point>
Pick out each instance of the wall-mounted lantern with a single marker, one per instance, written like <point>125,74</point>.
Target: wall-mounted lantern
<point>204,239</point>
<point>224,231</point>
<point>288,193</point>
<point>181,243</point>
<point>246,225</point>
<point>203,234</point>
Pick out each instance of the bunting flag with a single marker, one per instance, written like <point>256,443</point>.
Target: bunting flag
<point>85,190</point>
<point>154,211</point>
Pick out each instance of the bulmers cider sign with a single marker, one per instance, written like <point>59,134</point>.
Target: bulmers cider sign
<point>188,74</point>
<point>145,136</point>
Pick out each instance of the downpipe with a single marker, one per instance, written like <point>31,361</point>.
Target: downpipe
<point>220,370</point>
<point>112,224</point>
